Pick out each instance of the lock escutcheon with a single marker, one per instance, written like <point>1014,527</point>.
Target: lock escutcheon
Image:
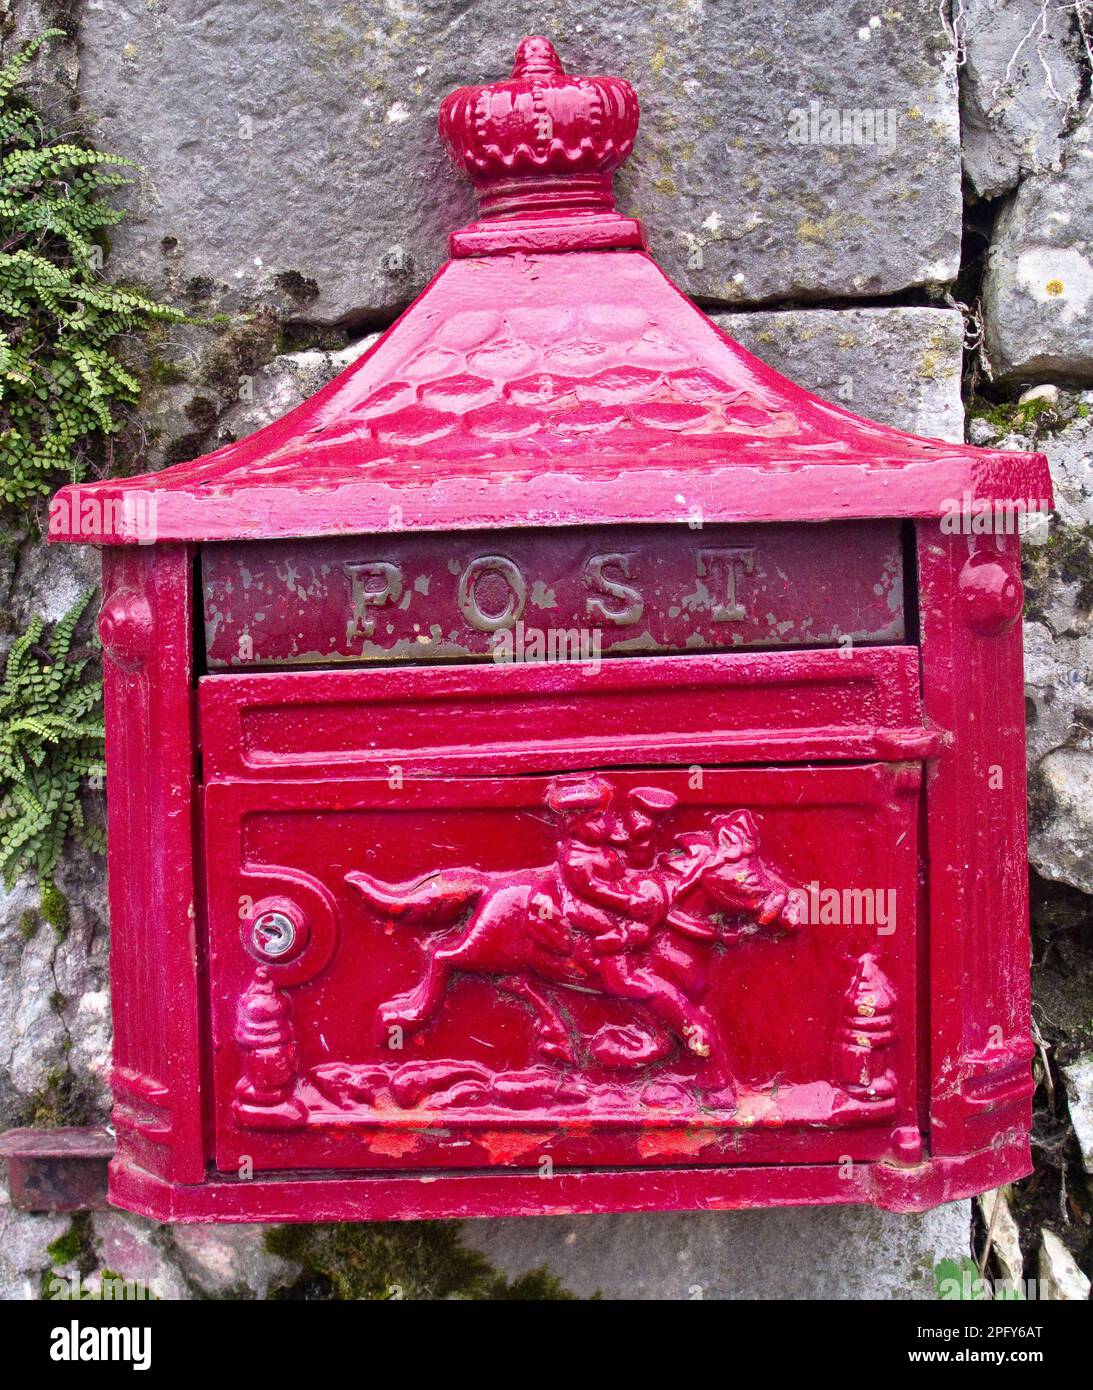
<point>278,930</point>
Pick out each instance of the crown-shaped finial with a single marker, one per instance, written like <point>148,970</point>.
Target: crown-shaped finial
<point>543,142</point>
<point>536,56</point>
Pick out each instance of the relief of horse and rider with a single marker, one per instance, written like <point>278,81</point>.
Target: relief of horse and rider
<point>626,910</point>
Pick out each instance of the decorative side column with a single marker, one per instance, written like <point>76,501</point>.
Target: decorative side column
<point>978,982</point>
<point>147,636</point>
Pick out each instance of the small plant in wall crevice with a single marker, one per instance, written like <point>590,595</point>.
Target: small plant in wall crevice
<point>51,746</point>
<point>63,386</point>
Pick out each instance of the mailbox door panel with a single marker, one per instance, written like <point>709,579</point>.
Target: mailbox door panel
<point>605,968</point>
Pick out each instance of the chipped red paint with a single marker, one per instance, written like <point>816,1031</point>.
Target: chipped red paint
<point>689,927</point>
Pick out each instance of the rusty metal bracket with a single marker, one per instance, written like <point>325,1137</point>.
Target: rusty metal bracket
<point>54,1170</point>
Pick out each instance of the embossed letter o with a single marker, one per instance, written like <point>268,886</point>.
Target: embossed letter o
<point>468,598</point>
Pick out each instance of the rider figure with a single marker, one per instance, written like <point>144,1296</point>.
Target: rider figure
<point>605,856</point>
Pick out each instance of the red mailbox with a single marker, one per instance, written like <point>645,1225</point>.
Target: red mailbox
<point>563,765</point>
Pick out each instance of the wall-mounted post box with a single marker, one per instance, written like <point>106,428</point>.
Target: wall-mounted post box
<point>563,765</point>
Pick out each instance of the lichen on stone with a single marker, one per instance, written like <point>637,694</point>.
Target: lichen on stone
<point>397,1260</point>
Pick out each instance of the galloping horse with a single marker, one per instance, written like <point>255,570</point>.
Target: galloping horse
<point>611,915</point>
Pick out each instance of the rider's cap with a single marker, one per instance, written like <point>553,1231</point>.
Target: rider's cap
<point>579,794</point>
<point>740,825</point>
<point>653,799</point>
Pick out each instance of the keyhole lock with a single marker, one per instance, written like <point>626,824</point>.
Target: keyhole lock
<point>277,930</point>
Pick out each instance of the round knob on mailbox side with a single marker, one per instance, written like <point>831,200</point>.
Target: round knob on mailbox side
<point>277,930</point>
<point>990,593</point>
<point>126,629</point>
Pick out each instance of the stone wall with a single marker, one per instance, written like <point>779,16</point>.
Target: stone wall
<point>930,271</point>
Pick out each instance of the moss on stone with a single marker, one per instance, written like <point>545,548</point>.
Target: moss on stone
<point>200,288</point>
<point>159,372</point>
<point>53,906</point>
<point>1034,418</point>
<point>184,448</point>
<point>397,1260</point>
<point>301,288</point>
<point>1066,558</point>
<point>299,336</point>
<point>62,1100</point>
<point>74,1251</point>
<point>239,352</point>
<point>75,1244</point>
<point>202,413</point>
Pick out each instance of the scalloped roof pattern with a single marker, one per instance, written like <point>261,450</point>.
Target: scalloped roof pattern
<point>546,390</point>
<point>536,384</point>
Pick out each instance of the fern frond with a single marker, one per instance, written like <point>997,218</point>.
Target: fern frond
<point>61,381</point>
<point>51,742</point>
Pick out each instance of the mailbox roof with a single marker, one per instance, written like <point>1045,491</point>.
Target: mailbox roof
<point>548,390</point>
<point>549,375</point>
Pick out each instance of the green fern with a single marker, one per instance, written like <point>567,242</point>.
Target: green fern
<point>61,381</point>
<point>51,740</point>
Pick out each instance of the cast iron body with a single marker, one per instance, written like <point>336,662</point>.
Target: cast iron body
<point>725,905</point>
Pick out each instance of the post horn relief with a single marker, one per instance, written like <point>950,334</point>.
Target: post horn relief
<point>625,911</point>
